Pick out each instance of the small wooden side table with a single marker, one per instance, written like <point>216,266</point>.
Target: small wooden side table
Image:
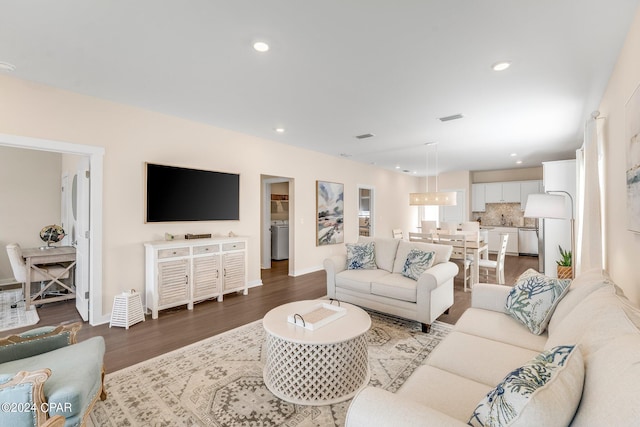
<point>34,257</point>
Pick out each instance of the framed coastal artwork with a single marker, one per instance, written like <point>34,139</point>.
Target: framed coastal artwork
<point>632,138</point>
<point>329,213</point>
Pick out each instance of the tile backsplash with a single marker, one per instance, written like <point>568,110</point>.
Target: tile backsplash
<point>505,214</point>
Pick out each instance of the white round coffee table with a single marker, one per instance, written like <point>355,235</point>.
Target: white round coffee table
<point>316,367</point>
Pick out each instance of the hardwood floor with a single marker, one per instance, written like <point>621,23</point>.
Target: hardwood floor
<point>178,327</point>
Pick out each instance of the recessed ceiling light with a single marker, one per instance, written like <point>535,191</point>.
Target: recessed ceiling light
<point>397,167</point>
<point>519,162</point>
<point>501,66</point>
<point>279,130</point>
<point>5,66</point>
<point>261,46</point>
<point>513,154</point>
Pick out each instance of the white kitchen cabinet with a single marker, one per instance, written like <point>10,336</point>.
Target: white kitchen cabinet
<point>493,192</point>
<point>511,192</point>
<point>526,188</point>
<point>495,240</point>
<point>180,272</point>
<point>478,203</point>
<point>502,192</point>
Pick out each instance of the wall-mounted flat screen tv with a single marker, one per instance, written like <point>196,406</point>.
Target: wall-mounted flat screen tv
<point>181,194</point>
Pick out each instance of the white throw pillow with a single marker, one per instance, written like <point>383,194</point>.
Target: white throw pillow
<point>534,298</point>
<point>417,262</point>
<point>545,391</point>
<point>361,256</point>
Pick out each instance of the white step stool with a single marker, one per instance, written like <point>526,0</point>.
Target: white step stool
<point>127,310</point>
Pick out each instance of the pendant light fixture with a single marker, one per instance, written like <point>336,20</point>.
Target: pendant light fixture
<point>432,198</point>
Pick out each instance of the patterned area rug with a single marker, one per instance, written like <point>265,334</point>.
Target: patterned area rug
<point>218,381</point>
<point>11,318</point>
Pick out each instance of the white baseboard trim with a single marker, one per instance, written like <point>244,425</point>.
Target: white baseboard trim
<point>254,283</point>
<point>297,273</point>
<point>107,317</point>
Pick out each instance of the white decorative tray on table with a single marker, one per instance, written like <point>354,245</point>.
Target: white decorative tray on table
<point>317,316</point>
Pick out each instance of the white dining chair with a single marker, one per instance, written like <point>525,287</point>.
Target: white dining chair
<point>459,254</point>
<point>397,233</point>
<point>470,226</point>
<point>428,226</point>
<point>448,227</point>
<point>421,237</point>
<point>488,265</point>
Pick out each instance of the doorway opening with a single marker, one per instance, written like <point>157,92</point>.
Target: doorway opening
<point>93,265</point>
<point>277,231</point>
<point>366,210</point>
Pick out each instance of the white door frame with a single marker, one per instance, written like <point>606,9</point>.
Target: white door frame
<point>96,159</point>
<point>372,209</point>
<point>81,226</point>
<point>266,222</point>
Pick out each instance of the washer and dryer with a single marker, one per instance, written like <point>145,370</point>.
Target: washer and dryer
<point>279,241</point>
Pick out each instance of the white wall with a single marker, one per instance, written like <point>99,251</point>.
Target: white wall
<point>29,199</point>
<point>132,136</point>
<point>621,246</point>
<point>455,181</point>
<point>558,176</point>
<point>521,174</point>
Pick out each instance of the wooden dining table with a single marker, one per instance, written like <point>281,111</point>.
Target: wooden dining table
<point>477,244</point>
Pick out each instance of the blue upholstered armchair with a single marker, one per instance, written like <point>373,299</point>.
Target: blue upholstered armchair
<point>48,379</point>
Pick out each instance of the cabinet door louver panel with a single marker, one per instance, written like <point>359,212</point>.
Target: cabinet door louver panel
<point>234,270</point>
<point>173,282</point>
<point>206,276</point>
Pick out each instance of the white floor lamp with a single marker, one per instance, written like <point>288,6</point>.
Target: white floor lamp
<point>550,205</point>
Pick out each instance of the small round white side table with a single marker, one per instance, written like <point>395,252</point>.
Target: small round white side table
<point>319,367</point>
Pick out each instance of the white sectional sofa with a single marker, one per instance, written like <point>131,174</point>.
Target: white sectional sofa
<point>602,388</point>
<point>384,288</point>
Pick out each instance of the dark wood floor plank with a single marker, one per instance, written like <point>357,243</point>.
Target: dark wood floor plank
<point>178,327</point>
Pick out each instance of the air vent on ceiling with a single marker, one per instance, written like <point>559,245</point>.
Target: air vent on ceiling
<point>449,118</point>
<point>365,135</point>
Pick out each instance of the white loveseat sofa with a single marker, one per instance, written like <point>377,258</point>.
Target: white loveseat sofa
<point>385,289</point>
<point>486,344</point>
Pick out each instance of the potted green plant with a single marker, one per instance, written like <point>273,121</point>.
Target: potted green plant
<point>565,268</point>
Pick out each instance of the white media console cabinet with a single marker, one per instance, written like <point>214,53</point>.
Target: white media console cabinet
<point>182,272</point>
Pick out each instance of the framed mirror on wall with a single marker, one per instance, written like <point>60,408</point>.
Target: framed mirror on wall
<point>365,211</point>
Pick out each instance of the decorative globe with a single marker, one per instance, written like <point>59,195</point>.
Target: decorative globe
<point>52,234</point>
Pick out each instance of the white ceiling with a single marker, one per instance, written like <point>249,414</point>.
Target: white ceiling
<point>340,68</point>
